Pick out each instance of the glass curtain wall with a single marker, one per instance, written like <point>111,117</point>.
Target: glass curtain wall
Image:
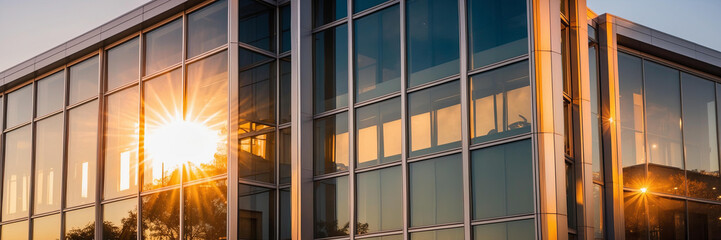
<point>669,141</point>
<point>388,79</point>
<point>597,203</point>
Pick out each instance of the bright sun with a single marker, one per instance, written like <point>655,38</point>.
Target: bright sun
<point>178,142</point>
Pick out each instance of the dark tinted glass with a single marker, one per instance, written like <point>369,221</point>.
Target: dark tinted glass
<point>285,214</point>
<point>436,192</point>
<point>378,133</point>
<point>207,28</point>
<point>327,11</point>
<point>570,196</point>
<point>163,104</point>
<point>703,221</point>
<point>667,218</point>
<point>163,46</point>
<point>46,228</point>
<point>83,83</point>
<point>120,220</point>
<point>376,59</point>
<point>248,58</point>
<point>516,230</point>
<point>331,207</point>
<point>598,207</point>
<point>82,154</point>
<point>330,143</point>
<point>595,114</point>
<point>360,5</point>
<point>663,105</point>
<point>445,234</point>
<point>161,215</point>
<point>330,69</point>
<point>50,94</point>
<point>20,106</point>
<point>257,24</point>
<point>699,131</point>
<point>16,197</point>
<point>500,103</point>
<point>15,231</point>
<point>284,155</point>
<point>284,89</point>
<point>432,38</point>
<point>633,150</point>
<point>123,64</point>
<point>379,200</point>
<point>502,180</point>
<point>205,209</point>
<point>256,106</point>
<point>122,119</point>
<point>256,213</point>
<point>257,157</point>
<point>285,28</point>
<point>48,163</point>
<point>497,30</point>
<point>634,213</point>
<point>207,105</point>
<point>435,122</point>
<point>80,224</point>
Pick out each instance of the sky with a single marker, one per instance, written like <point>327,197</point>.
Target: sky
<point>31,27</point>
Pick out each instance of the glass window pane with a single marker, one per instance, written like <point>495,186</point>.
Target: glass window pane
<point>285,93</point>
<point>435,122</point>
<point>360,5</point>
<point>207,111</point>
<point>699,131</point>
<point>285,214</point>
<point>667,218</point>
<point>523,229</point>
<point>379,200</point>
<point>48,163</point>
<point>376,59</point>
<point>83,82</point>
<point>378,133</point>
<point>330,69</point>
<point>433,45</point>
<point>436,195</point>
<point>330,142</point>
<point>256,101</point>
<point>257,24</point>
<point>256,213</point>
<point>16,180</point>
<point>80,224</point>
<point>163,103</point>
<point>284,158</point>
<point>50,94</point>
<point>123,64</point>
<point>121,143</point>
<point>2,114</point>
<point>248,58</point>
<point>15,231</point>
<point>207,28</point>
<point>327,11</point>
<point>445,234</point>
<point>502,180</point>
<point>570,196</point>
<point>598,207</point>
<point>82,153</point>
<point>500,103</point>
<point>120,220</point>
<point>497,30</point>
<point>633,150</point>
<point>331,207</point>
<point>285,28</point>
<point>205,209</point>
<point>256,157</point>
<point>163,46</point>
<point>634,213</point>
<point>20,109</point>
<point>160,215</point>
<point>703,221</point>
<point>390,237</point>
<point>663,105</point>
<point>46,228</point>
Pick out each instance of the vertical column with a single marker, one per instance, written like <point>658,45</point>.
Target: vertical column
<point>613,172</point>
<point>546,69</point>
<point>100,158</point>
<point>404,122</point>
<point>233,87</point>
<point>301,120</point>
<point>465,125</point>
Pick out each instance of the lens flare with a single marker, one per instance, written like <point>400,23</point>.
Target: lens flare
<point>179,142</point>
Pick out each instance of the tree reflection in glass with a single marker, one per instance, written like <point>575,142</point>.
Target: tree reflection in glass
<point>256,212</point>
<point>80,224</point>
<point>120,220</point>
<point>205,211</point>
<point>161,215</point>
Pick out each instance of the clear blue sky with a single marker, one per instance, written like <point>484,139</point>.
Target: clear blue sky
<point>30,27</point>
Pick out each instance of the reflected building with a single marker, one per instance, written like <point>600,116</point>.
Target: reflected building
<point>363,119</point>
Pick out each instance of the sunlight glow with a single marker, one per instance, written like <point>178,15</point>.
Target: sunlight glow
<point>179,142</point>
<point>643,190</point>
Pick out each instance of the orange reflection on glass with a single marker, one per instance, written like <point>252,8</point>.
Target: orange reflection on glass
<point>161,215</point>
<point>205,211</point>
<point>121,143</point>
